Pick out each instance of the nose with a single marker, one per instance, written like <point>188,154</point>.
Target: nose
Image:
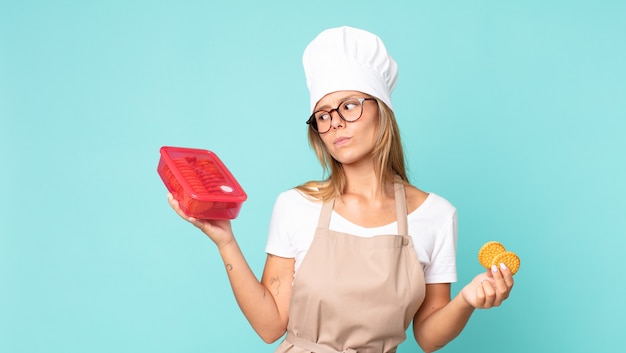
<point>335,119</point>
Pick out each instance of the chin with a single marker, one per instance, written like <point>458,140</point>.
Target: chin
<point>349,160</point>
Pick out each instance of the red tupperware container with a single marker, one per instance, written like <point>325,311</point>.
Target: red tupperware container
<point>201,183</point>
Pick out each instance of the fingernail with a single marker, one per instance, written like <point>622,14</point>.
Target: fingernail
<point>503,266</point>
<point>494,268</point>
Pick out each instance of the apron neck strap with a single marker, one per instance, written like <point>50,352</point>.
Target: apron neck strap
<point>401,212</point>
<point>327,210</point>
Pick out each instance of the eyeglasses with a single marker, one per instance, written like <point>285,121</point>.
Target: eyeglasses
<point>349,110</point>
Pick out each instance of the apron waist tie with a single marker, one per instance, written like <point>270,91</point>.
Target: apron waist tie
<point>312,346</point>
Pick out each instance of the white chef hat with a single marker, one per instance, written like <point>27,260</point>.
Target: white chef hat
<point>346,58</point>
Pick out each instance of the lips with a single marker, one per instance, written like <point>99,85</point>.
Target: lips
<point>341,141</point>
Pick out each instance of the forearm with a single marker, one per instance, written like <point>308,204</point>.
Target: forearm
<point>443,325</point>
<point>256,303</point>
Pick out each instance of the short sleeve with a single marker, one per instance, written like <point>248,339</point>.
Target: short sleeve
<point>279,240</point>
<point>442,267</point>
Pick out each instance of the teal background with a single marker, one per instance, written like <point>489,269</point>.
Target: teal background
<point>513,110</point>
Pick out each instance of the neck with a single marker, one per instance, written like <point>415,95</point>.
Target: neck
<point>362,181</point>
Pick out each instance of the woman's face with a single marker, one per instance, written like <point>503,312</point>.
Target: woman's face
<point>350,142</point>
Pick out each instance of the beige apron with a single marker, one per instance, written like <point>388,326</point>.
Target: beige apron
<point>355,294</point>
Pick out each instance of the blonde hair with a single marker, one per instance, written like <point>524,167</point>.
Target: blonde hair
<point>388,157</point>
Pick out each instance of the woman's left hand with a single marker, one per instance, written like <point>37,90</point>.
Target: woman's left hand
<point>489,289</point>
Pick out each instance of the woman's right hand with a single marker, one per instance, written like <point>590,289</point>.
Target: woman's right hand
<point>218,230</point>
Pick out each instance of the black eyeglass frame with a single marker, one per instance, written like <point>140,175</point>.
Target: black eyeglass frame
<point>313,123</point>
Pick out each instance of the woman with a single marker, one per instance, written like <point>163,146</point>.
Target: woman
<point>354,259</point>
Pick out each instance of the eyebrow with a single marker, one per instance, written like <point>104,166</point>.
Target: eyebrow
<point>326,106</point>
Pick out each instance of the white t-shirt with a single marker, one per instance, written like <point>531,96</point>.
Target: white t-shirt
<point>433,227</point>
